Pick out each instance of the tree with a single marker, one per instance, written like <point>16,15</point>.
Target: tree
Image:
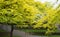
<point>24,13</point>
<point>20,13</point>
<point>48,19</point>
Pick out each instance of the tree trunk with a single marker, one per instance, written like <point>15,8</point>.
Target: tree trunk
<point>12,28</point>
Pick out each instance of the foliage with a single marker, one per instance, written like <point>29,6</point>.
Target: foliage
<point>16,12</point>
<point>27,13</point>
<point>49,18</point>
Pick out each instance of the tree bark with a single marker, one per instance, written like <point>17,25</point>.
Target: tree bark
<point>12,28</point>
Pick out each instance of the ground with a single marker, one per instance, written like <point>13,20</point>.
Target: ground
<point>6,34</point>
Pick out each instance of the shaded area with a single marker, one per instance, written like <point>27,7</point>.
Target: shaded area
<point>3,33</point>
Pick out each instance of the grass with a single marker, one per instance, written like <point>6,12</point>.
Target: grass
<point>32,30</point>
<point>3,33</point>
<point>54,36</point>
